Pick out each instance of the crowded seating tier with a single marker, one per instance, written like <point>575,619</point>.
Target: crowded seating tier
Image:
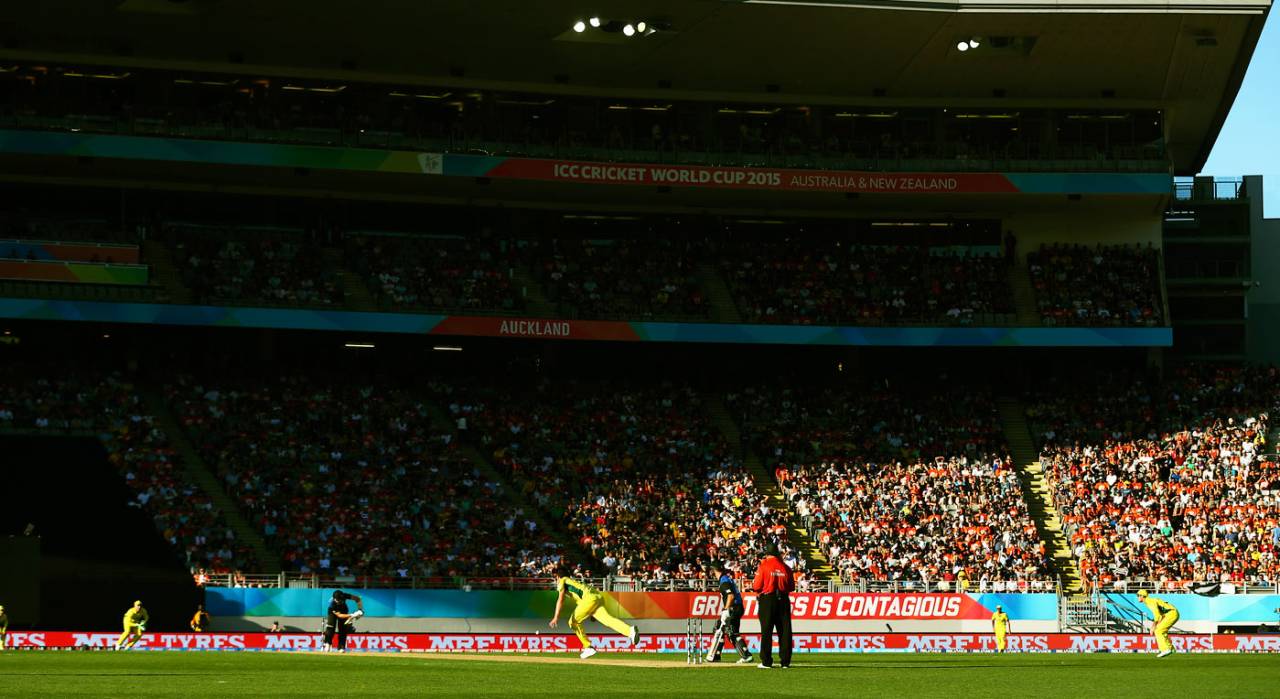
<point>898,486</point>
<point>1166,479</point>
<point>355,479</point>
<point>110,406</point>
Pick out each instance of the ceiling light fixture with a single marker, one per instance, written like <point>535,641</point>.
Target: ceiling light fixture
<point>962,46</point>
<point>579,26</point>
<point>641,27</point>
<point>629,30</point>
<point>595,22</point>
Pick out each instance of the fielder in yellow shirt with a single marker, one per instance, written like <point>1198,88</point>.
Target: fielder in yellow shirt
<point>1000,625</point>
<point>200,619</point>
<point>590,604</point>
<point>135,622</point>
<point>1165,615</point>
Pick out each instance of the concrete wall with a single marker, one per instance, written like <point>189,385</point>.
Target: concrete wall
<point>1087,223</point>
<point>1263,324</point>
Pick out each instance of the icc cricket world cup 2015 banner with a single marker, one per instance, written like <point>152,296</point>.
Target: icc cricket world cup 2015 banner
<point>783,179</point>
<point>572,171</point>
<point>653,643</point>
<point>712,177</point>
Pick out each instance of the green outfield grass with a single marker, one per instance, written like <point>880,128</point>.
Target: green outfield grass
<point>220,674</point>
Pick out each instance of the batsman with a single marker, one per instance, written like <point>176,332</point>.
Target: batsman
<point>730,618</point>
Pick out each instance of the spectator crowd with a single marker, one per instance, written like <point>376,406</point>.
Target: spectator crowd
<point>621,278</point>
<point>1158,478</point>
<point>354,479</point>
<point>442,273</point>
<point>638,476</point>
<point>830,283</point>
<point>1102,285</point>
<point>897,485</point>
<point>109,406</point>
<point>242,266</point>
<point>643,271</point>
<point>161,103</point>
<point>1166,480</point>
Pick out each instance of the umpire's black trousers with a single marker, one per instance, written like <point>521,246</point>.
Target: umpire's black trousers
<point>775,615</point>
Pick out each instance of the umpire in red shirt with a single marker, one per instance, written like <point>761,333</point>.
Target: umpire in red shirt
<point>773,586</point>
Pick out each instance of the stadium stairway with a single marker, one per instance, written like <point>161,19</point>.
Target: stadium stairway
<point>534,298</point>
<point>1164,290</point>
<point>164,273</point>
<point>204,477</point>
<point>1036,492</point>
<point>1024,297</point>
<point>797,535</point>
<point>723,308</point>
<point>355,295</point>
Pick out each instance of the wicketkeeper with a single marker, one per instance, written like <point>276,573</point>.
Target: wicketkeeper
<point>135,623</point>
<point>730,618</point>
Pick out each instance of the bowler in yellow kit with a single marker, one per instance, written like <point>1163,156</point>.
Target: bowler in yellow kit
<point>1000,625</point>
<point>135,622</point>
<point>1165,615</point>
<point>590,604</point>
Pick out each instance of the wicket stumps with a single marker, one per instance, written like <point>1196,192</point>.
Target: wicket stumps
<point>693,641</point>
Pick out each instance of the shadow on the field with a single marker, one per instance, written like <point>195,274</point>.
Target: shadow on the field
<point>934,665</point>
<point>114,674</point>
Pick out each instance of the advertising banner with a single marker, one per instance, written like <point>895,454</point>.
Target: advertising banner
<point>712,177</point>
<point>784,179</point>
<point>475,326</point>
<point>1226,609</point>
<point>68,252</point>
<point>656,643</point>
<point>540,328</point>
<point>539,604</point>
<point>73,272</point>
<point>579,172</point>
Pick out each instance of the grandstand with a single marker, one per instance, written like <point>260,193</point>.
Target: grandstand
<point>960,324</point>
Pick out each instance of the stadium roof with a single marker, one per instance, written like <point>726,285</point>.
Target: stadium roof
<point>1186,57</point>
